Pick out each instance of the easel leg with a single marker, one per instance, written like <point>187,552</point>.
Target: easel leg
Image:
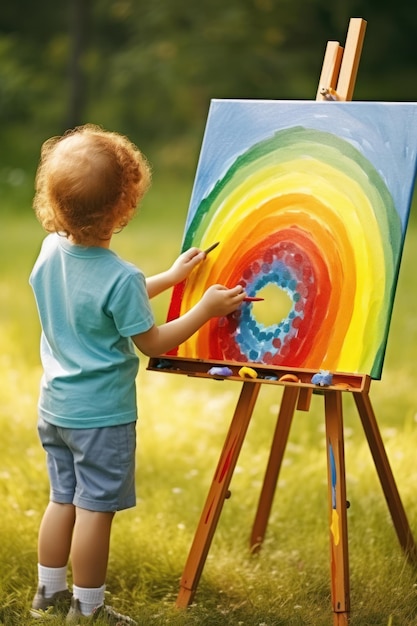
<point>217,494</point>
<point>385,474</point>
<point>339,560</point>
<point>285,415</point>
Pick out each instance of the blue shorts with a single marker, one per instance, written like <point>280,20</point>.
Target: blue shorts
<point>92,468</point>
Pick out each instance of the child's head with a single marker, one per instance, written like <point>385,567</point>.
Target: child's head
<point>89,183</point>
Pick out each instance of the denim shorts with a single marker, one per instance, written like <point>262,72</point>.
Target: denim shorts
<point>92,468</point>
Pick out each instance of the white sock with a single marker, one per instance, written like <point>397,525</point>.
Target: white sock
<point>89,599</point>
<point>52,578</point>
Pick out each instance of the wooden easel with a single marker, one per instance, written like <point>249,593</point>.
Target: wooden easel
<point>336,83</point>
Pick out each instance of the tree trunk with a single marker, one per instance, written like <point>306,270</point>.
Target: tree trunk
<point>78,20</point>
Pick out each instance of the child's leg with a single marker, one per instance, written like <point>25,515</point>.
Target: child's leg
<point>54,545</point>
<point>90,547</point>
<point>105,468</point>
<point>89,557</point>
<point>55,534</point>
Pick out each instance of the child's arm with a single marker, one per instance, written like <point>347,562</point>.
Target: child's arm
<point>216,302</point>
<point>179,270</point>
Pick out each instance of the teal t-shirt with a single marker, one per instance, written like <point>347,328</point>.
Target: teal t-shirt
<point>90,303</point>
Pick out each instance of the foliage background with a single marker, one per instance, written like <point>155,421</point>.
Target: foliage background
<point>149,69</point>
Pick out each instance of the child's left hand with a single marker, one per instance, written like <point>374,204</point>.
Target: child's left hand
<point>185,263</point>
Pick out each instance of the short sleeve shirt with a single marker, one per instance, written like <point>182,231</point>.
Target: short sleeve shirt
<point>90,304</point>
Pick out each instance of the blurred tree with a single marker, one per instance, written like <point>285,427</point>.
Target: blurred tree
<point>78,24</point>
<point>33,76</point>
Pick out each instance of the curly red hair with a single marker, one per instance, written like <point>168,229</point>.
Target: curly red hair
<point>88,183</point>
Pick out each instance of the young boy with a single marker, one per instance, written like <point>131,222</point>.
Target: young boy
<point>94,308</point>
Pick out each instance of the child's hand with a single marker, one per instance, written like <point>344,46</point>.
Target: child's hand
<point>181,268</point>
<point>220,301</point>
<point>178,271</point>
<point>217,301</point>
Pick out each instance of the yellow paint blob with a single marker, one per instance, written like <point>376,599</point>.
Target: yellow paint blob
<point>334,527</point>
<point>275,307</point>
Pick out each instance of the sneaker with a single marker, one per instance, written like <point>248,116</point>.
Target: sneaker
<point>60,600</point>
<point>103,614</point>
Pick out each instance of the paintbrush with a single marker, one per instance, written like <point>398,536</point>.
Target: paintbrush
<point>250,299</point>
<point>210,248</point>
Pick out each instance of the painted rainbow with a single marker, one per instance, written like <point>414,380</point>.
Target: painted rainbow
<point>302,208</point>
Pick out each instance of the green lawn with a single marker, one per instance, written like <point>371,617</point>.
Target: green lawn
<point>182,426</point>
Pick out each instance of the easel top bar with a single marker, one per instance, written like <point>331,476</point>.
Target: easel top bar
<point>340,66</point>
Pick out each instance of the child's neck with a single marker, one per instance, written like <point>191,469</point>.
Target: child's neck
<point>98,243</point>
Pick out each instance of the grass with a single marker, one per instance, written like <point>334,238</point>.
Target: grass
<point>180,433</point>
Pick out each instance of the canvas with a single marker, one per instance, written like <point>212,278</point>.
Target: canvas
<point>309,202</point>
